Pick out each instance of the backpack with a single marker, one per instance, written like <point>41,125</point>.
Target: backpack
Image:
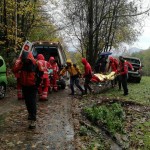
<point>30,74</point>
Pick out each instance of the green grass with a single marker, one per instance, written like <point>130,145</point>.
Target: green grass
<point>141,135</point>
<point>135,125</point>
<point>111,115</point>
<point>138,92</point>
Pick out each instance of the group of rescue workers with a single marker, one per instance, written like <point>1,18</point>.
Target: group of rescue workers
<point>33,77</point>
<point>46,68</point>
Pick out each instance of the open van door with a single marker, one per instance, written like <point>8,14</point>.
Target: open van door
<point>54,49</point>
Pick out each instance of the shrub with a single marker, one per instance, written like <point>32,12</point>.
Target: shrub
<point>112,116</point>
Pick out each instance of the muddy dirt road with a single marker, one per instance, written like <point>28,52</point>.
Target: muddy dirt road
<point>54,129</point>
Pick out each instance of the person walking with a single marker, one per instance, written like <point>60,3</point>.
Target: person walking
<point>123,73</point>
<point>44,86</point>
<point>74,76</point>
<point>55,69</point>
<point>113,65</point>
<point>129,66</point>
<point>87,75</point>
<point>30,77</point>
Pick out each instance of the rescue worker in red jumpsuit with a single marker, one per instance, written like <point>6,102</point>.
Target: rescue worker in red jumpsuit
<point>129,66</point>
<point>19,87</point>
<point>113,65</point>
<point>30,77</point>
<point>44,86</point>
<point>55,68</point>
<point>87,75</point>
<point>123,72</point>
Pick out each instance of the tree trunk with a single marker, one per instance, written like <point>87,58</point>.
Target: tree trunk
<point>90,38</point>
<point>5,24</point>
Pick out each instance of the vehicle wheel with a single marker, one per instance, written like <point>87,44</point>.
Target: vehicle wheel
<point>2,91</point>
<point>62,84</point>
<point>138,80</point>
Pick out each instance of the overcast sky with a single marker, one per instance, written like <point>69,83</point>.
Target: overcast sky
<point>144,39</point>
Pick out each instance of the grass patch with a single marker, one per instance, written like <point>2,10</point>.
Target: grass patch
<point>140,136</point>
<point>111,116</point>
<point>130,124</point>
<point>139,92</point>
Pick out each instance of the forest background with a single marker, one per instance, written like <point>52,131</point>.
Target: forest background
<point>95,25</point>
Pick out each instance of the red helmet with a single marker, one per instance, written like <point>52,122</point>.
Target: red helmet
<point>40,57</point>
<point>51,58</point>
<point>84,61</point>
<point>111,58</point>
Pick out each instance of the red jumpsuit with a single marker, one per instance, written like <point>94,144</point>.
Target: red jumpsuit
<point>113,64</point>
<point>43,88</point>
<point>87,75</point>
<point>129,65</point>
<point>123,71</point>
<point>55,68</point>
<point>19,86</point>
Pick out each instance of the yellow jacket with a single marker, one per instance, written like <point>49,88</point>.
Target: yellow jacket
<point>73,70</point>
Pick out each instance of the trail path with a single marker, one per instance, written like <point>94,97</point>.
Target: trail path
<point>54,129</point>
